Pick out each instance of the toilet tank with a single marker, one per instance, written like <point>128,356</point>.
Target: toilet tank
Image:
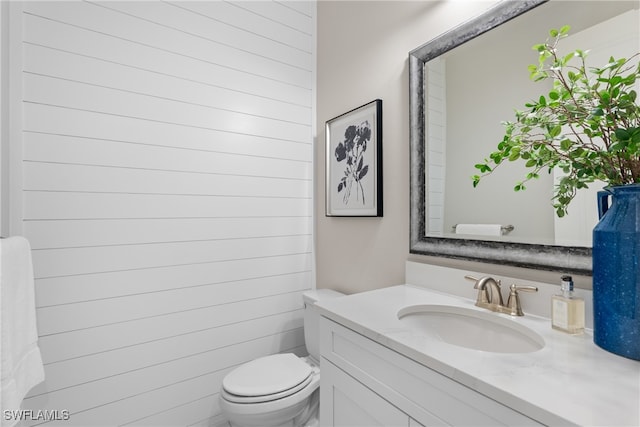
<point>312,318</point>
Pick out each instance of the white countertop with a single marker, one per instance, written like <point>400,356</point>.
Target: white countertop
<point>569,381</point>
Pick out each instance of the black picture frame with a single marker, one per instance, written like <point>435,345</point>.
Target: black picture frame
<point>354,162</point>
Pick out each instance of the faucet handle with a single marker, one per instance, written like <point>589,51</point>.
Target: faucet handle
<point>513,303</point>
<point>473,279</point>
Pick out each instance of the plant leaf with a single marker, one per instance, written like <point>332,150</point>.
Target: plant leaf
<point>363,172</point>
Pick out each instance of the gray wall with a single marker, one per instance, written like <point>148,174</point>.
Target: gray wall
<point>487,79</point>
<point>362,55</point>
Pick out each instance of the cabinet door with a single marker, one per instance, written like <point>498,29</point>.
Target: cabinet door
<point>425,395</point>
<point>345,402</point>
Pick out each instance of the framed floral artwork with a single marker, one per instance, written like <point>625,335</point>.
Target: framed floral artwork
<point>354,162</point>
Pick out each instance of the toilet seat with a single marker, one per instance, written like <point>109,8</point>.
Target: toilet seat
<point>268,397</point>
<point>266,379</point>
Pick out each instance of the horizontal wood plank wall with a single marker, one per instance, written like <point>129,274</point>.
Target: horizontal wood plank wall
<point>167,164</point>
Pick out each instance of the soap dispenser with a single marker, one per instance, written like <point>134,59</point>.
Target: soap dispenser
<point>567,311</point>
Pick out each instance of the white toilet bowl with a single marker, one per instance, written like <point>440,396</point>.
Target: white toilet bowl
<point>280,390</point>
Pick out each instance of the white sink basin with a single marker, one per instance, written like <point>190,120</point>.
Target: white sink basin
<point>471,329</point>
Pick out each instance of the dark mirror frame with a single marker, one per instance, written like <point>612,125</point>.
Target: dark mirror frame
<point>542,257</point>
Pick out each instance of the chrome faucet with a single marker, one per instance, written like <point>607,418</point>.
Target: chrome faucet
<point>493,300</point>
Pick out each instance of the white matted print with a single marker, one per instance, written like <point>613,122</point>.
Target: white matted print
<point>354,162</point>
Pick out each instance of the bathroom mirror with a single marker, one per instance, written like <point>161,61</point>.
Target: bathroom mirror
<point>441,191</point>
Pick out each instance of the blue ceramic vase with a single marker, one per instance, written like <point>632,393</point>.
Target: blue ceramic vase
<point>616,271</point>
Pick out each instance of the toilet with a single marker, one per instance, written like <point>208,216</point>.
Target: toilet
<point>280,390</point>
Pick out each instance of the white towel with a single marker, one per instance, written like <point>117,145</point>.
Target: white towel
<point>480,229</point>
<point>21,367</point>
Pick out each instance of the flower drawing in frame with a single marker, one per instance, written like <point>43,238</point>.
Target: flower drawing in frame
<point>354,162</point>
<point>352,151</point>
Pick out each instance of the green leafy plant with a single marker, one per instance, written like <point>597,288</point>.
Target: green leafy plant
<point>587,125</point>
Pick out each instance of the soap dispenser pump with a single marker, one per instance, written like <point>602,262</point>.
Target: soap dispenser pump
<point>567,310</point>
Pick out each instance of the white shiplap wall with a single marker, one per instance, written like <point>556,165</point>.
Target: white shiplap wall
<point>166,164</point>
<point>436,149</point>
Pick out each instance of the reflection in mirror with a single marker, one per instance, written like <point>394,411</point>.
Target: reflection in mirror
<point>463,85</point>
<point>482,81</point>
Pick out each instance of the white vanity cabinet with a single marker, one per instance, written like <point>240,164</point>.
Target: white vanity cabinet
<point>364,383</point>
